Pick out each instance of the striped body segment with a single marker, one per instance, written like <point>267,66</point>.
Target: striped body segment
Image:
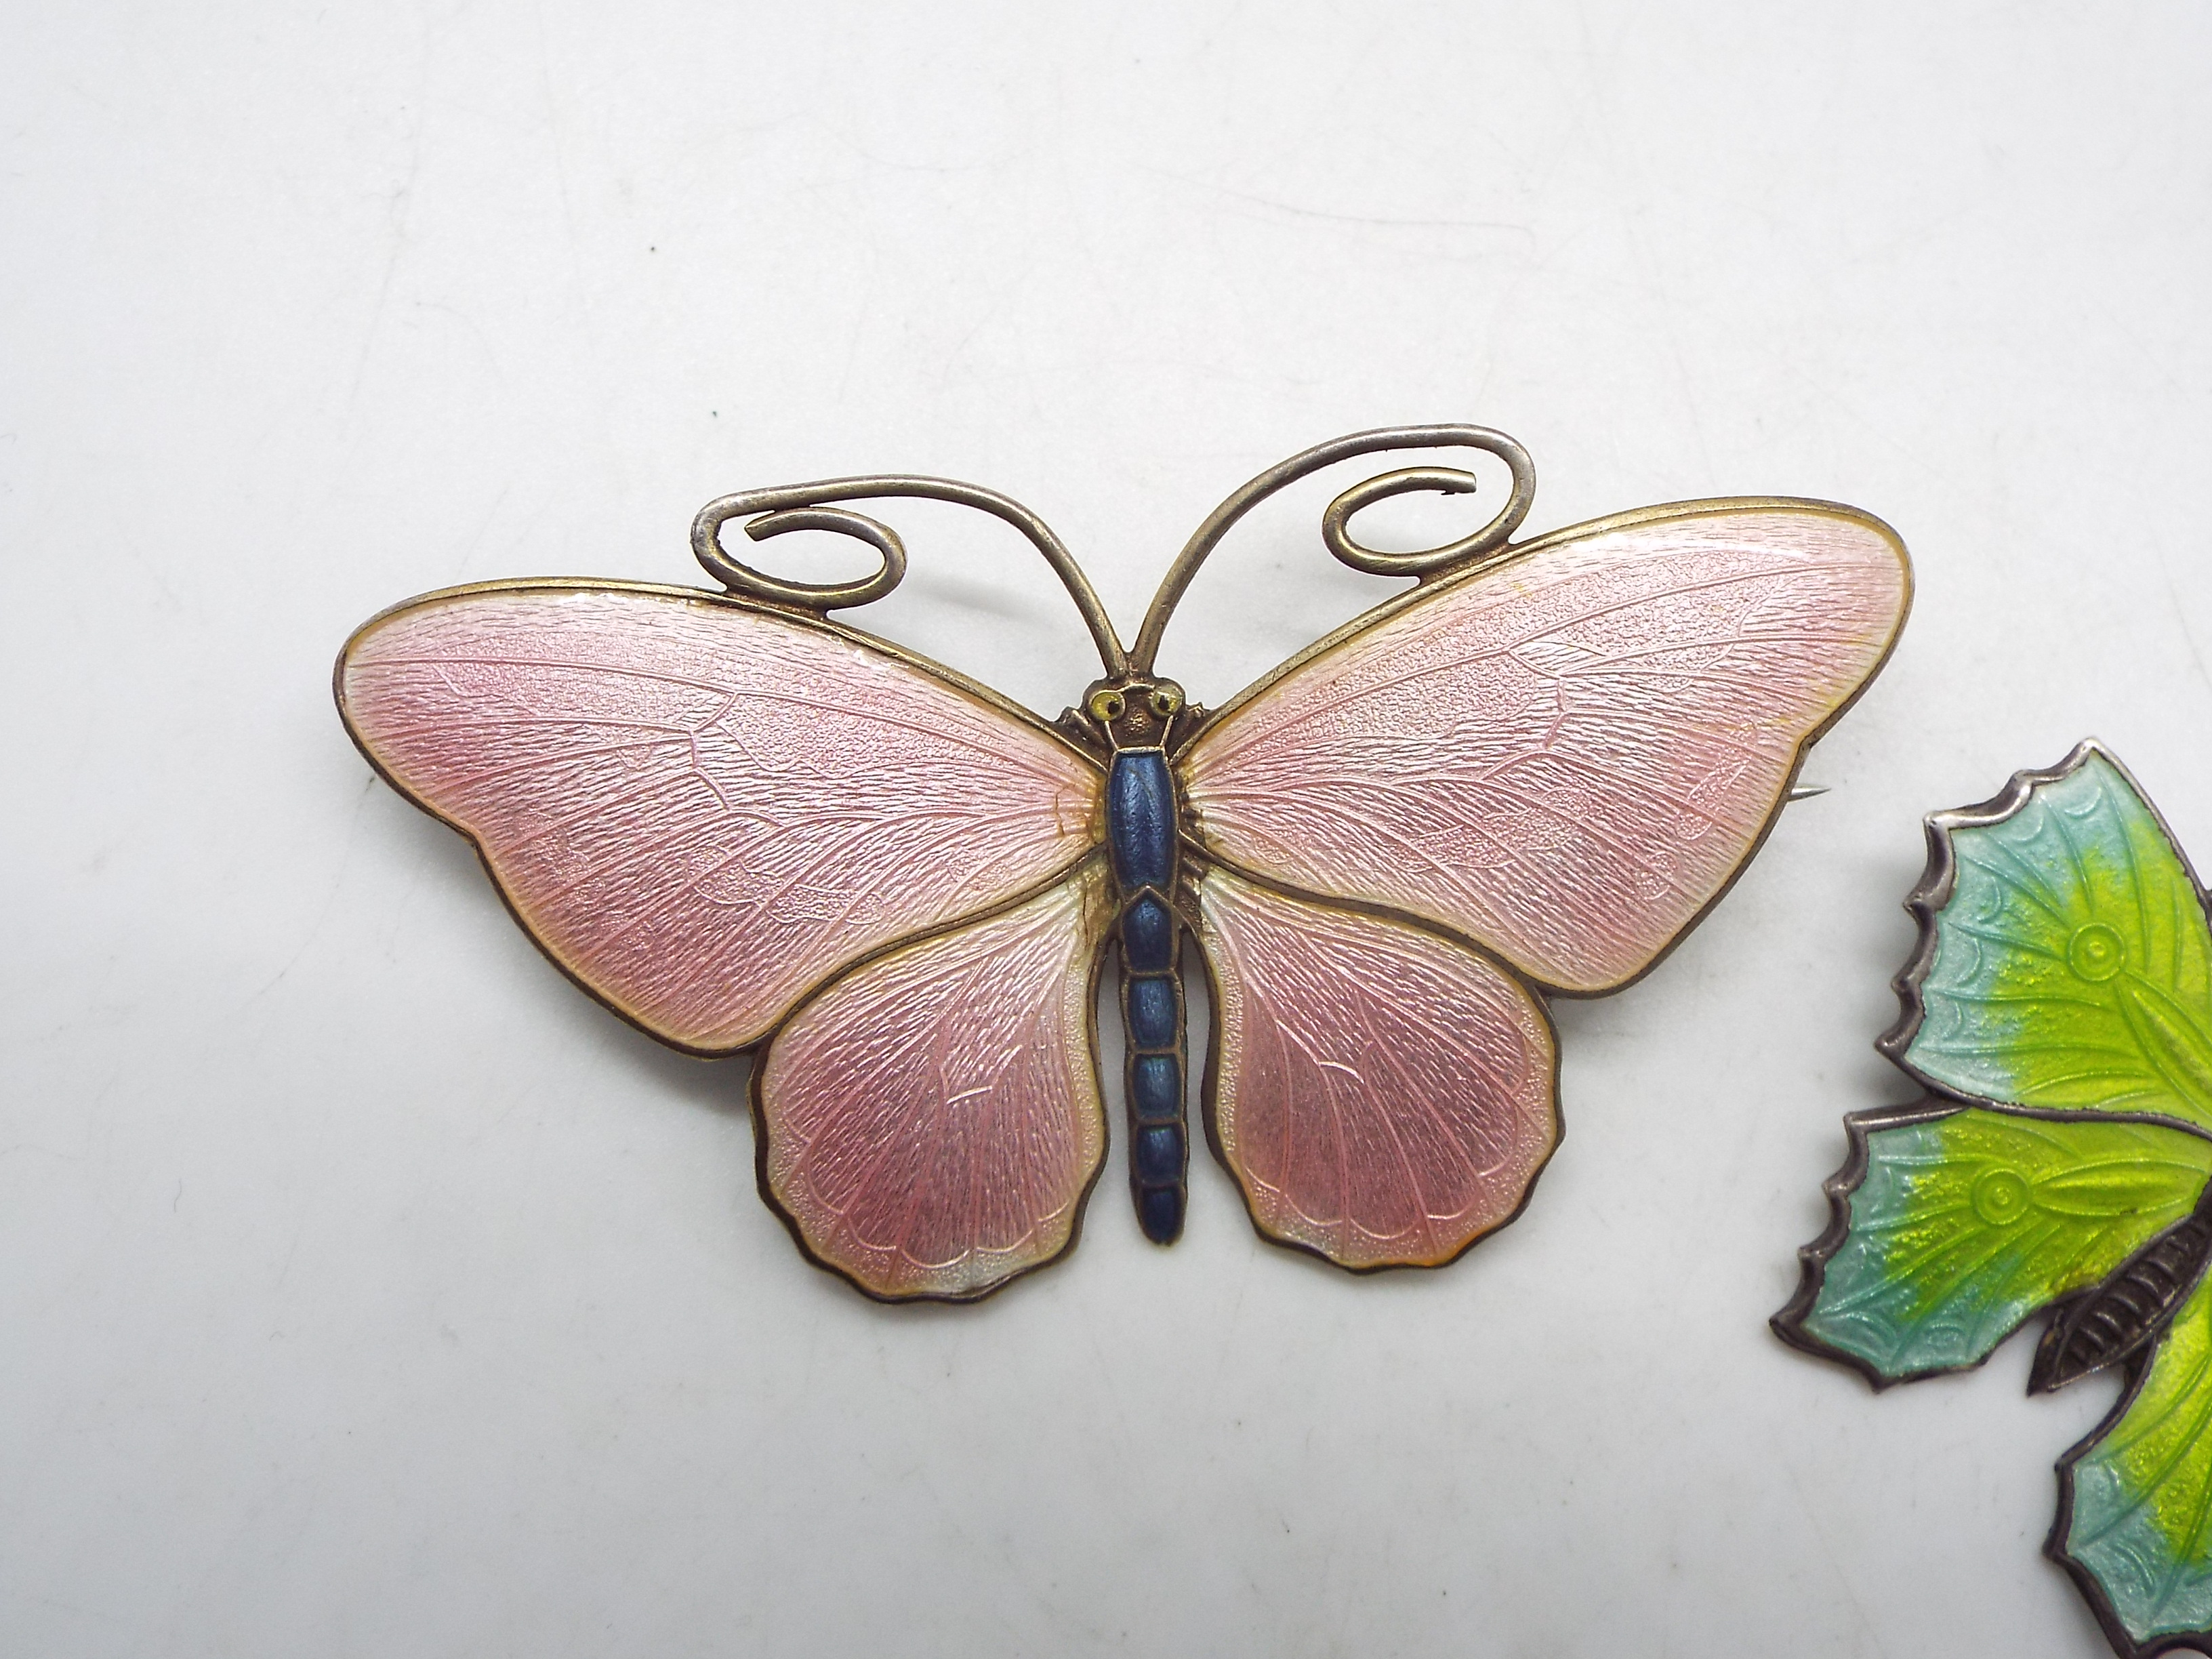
<point>1140,836</point>
<point>2131,1307</point>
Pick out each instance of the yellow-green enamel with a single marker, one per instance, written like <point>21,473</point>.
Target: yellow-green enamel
<point>1965,1224</point>
<point>2061,1009</point>
<point>2142,1515</point>
<point>2073,969</point>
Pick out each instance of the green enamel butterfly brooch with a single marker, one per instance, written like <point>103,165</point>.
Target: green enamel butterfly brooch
<point>2058,1011</point>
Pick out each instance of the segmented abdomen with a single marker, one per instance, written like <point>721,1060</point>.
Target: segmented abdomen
<point>2132,1305</point>
<point>1140,834</point>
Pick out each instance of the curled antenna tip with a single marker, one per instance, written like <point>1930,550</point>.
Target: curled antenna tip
<point>1807,791</point>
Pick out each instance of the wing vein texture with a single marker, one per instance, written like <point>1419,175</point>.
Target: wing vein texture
<point>1382,1094</point>
<point>2141,1489</point>
<point>1577,749</point>
<point>796,799</point>
<point>2072,966</point>
<point>932,1117</point>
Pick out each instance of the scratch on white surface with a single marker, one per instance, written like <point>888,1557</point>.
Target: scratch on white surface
<point>1831,1555</point>
<point>330,895</point>
<point>856,326</point>
<point>291,1251</point>
<point>473,544</point>
<point>1334,216</point>
<point>1627,162</point>
<point>397,211</point>
<point>553,136</point>
<point>2181,621</point>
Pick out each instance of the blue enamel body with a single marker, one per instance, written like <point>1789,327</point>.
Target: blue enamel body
<point>1140,840</point>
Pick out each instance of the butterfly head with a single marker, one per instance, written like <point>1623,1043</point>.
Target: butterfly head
<point>1134,713</point>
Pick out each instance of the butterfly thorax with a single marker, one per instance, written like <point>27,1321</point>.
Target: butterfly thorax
<point>2114,1320</point>
<point>1142,814</point>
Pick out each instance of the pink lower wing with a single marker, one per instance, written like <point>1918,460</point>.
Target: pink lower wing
<point>702,809</point>
<point>1568,756</point>
<point>932,1119</point>
<point>1383,1095</point>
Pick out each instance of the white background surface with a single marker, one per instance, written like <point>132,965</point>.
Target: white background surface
<point>364,1290</point>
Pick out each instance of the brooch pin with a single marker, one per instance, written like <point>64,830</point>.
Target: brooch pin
<point>2058,1010</point>
<point>743,826</point>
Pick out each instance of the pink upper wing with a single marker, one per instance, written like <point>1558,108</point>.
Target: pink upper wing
<point>1566,757</point>
<point>701,808</point>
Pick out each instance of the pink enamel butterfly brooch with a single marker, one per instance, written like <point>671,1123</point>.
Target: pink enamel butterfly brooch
<point>744,826</point>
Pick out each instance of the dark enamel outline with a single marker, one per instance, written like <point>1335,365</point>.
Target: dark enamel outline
<point>757,1049</point>
<point>2085,1579</point>
<point>1210,1089</point>
<point>1199,721</point>
<point>696,596</point>
<point>759,1109</point>
<point>1927,899</point>
<point>1539,991</point>
<point>1941,877</point>
<point>1923,903</point>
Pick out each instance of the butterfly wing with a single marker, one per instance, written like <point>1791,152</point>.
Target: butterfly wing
<point>1384,1095</point>
<point>2063,984</point>
<point>702,807</point>
<point>1953,1224</point>
<point>1563,759</point>
<point>2064,962</point>
<point>2063,981</point>
<point>930,1121</point>
<point>2135,1507</point>
<point>1568,755</point>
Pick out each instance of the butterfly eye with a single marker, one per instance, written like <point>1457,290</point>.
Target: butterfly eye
<point>1166,699</point>
<point>1107,705</point>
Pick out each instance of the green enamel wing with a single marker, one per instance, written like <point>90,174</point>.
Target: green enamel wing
<point>2059,1012</point>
